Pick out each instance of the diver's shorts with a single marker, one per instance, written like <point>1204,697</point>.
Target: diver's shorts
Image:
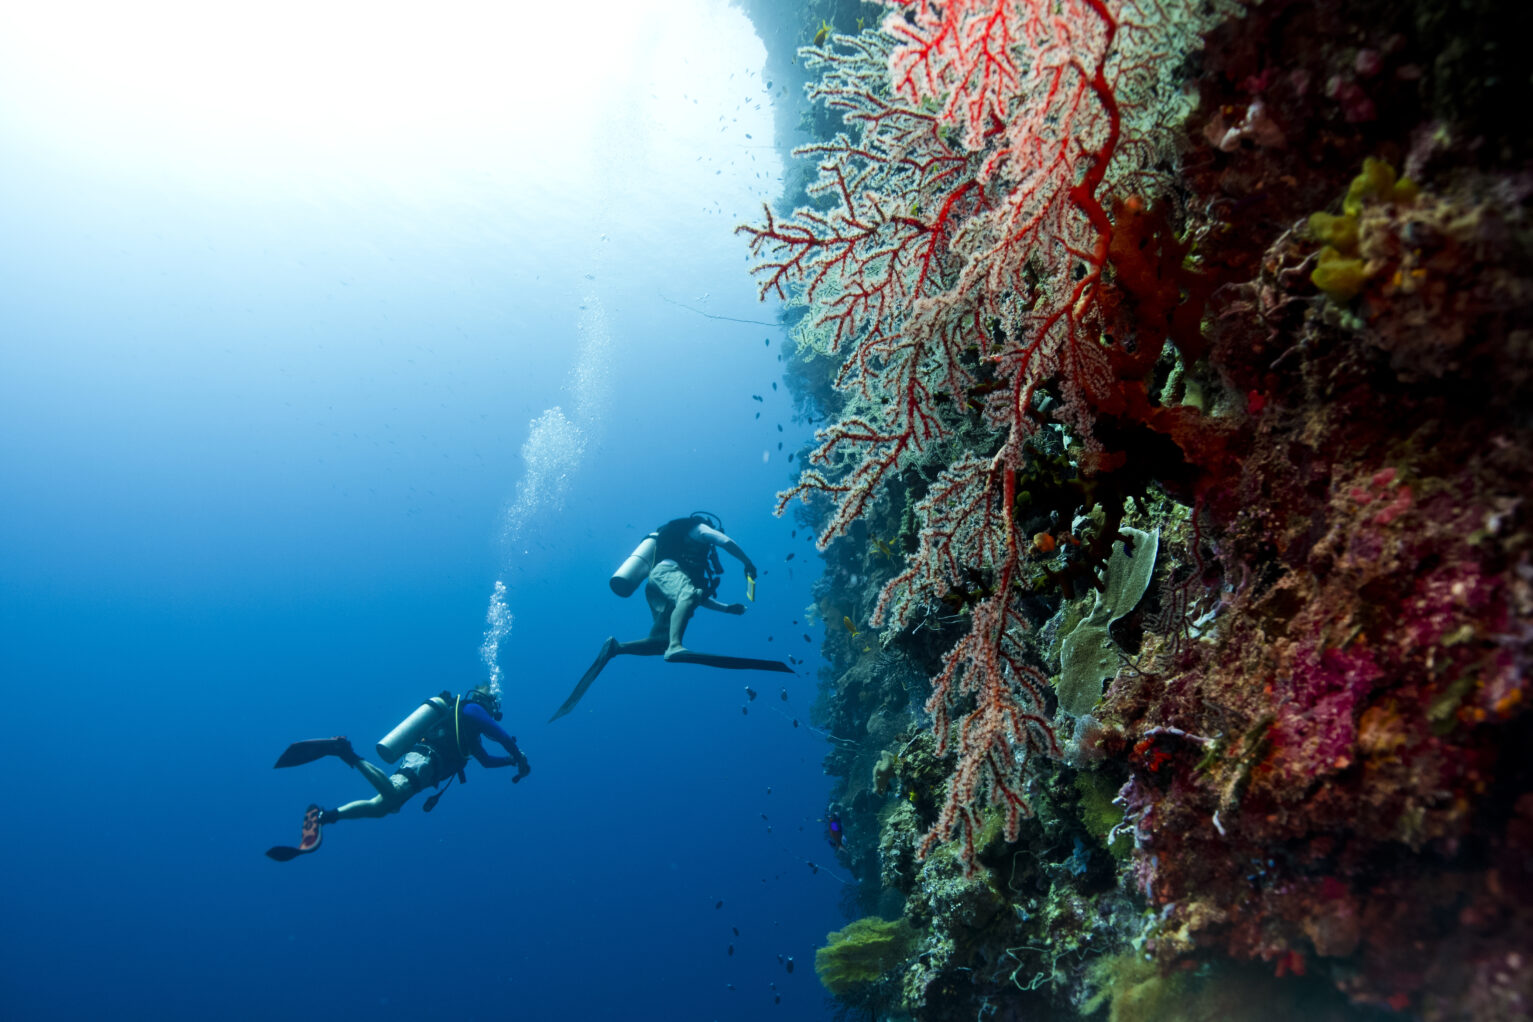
<point>415,772</point>
<point>673,583</point>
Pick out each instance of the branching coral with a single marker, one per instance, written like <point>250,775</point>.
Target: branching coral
<point>963,267</point>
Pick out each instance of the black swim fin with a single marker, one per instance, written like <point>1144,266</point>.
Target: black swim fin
<point>732,663</point>
<point>609,649</point>
<point>300,753</point>
<point>312,834</point>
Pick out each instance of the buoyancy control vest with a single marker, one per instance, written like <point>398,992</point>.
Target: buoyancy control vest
<point>698,559</point>
<point>450,743</point>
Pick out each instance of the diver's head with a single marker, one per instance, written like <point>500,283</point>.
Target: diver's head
<point>484,696</point>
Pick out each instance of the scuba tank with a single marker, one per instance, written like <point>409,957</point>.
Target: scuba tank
<point>636,569</point>
<point>399,741</point>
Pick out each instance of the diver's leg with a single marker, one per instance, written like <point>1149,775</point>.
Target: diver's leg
<point>660,608</point>
<point>679,618</point>
<point>377,778</point>
<point>364,809</point>
<point>672,599</point>
<point>393,792</point>
<point>650,646</point>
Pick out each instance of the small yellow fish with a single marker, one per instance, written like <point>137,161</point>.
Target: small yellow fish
<point>824,33</point>
<point>850,627</point>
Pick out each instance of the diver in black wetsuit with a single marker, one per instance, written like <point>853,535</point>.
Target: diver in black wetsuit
<point>679,565</point>
<point>448,735</point>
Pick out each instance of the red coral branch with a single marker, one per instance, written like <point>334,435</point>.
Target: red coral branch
<point>1005,729</point>
<point>942,265</point>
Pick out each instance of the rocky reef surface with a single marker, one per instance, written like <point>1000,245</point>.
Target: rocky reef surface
<point>1248,731</point>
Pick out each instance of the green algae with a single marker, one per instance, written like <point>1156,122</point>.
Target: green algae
<point>1100,815</point>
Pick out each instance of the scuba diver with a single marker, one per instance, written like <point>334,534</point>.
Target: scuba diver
<point>436,742</point>
<point>679,565</point>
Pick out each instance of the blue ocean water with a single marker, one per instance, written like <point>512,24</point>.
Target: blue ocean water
<point>299,358</point>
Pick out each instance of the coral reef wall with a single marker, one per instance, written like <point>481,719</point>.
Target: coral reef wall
<point>1173,363</point>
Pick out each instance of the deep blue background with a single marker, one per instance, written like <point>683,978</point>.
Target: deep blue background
<point>257,439</point>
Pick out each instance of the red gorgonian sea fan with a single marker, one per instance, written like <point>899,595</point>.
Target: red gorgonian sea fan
<point>960,262</point>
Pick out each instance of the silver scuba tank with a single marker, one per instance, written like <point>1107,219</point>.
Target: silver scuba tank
<point>398,741</point>
<point>636,569</point>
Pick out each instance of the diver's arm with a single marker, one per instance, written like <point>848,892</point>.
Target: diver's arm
<point>727,608</point>
<point>489,728</point>
<point>709,534</point>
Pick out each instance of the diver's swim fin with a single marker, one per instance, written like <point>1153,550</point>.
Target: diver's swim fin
<point>312,833</point>
<point>733,663</point>
<point>608,651</point>
<point>300,753</point>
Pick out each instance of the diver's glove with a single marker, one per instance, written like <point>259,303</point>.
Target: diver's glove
<point>750,568</point>
<point>735,608</point>
<point>523,768</point>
